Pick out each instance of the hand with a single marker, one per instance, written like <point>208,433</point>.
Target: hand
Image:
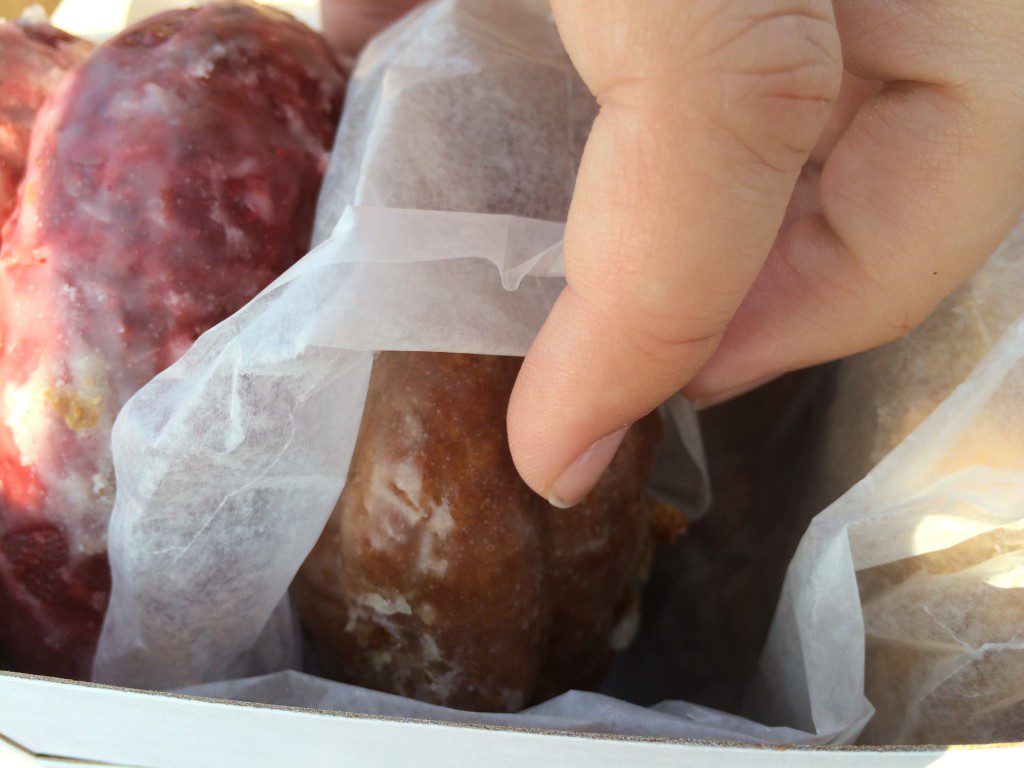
<point>767,186</point>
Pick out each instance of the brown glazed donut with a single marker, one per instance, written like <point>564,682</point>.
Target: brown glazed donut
<point>442,576</point>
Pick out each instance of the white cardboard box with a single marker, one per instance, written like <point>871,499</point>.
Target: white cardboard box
<point>56,722</point>
<point>49,722</point>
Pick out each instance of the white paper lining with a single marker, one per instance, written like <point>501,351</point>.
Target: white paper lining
<point>458,150</point>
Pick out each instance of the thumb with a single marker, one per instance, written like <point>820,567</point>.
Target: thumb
<point>709,109</point>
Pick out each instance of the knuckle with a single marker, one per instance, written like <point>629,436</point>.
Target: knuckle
<point>668,345</point>
<point>673,351</point>
<point>770,78</point>
<point>763,76</point>
<point>790,52</point>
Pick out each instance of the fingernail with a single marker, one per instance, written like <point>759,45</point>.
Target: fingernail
<point>579,477</point>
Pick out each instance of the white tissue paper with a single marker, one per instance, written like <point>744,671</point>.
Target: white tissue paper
<point>940,563</point>
<point>437,230</point>
<point>958,476</point>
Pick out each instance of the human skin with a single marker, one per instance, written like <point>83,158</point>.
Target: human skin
<point>813,177</point>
